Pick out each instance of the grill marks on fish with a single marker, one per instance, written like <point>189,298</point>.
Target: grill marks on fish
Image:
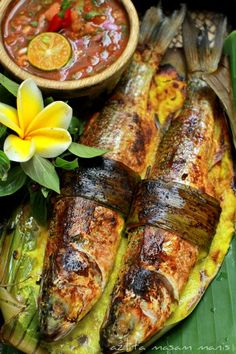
<point>84,236</point>
<point>184,153</point>
<point>124,126</point>
<point>156,268</point>
<point>121,329</point>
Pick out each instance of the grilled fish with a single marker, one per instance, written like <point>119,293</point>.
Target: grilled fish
<point>85,230</point>
<point>125,126</point>
<point>159,258</point>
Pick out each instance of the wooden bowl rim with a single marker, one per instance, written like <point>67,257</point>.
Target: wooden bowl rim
<point>87,82</point>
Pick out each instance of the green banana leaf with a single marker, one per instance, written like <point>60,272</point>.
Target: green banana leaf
<point>9,350</point>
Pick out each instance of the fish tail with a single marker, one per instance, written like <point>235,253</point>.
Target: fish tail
<point>201,56</point>
<point>158,30</point>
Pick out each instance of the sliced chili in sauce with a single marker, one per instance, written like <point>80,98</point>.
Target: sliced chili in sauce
<point>96,29</point>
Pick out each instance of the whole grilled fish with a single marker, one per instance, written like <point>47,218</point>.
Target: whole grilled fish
<point>125,126</point>
<point>171,216</point>
<point>87,221</point>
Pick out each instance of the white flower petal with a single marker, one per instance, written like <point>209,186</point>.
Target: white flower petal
<point>29,103</point>
<point>17,149</point>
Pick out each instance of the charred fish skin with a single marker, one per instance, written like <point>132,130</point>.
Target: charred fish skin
<point>84,235</point>
<point>183,155</point>
<point>147,287</point>
<point>75,271</point>
<point>124,126</point>
<point>158,262</point>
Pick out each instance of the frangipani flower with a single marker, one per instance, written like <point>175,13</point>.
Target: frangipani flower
<point>41,131</point>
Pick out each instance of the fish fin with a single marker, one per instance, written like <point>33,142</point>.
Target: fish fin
<point>157,29</point>
<point>221,30</point>
<point>220,83</point>
<point>190,43</point>
<point>152,17</point>
<point>199,55</point>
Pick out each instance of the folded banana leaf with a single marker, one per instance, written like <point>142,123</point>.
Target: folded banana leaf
<point>5,349</point>
<point>22,246</point>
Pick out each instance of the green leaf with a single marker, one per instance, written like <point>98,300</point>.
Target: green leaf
<point>38,205</point>
<point>3,129</point>
<point>43,172</point>
<point>9,350</point>
<point>212,325</point>
<point>85,151</point>
<point>66,4</point>
<point>7,97</point>
<point>76,127</point>
<point>10,85</point>
<point>15,180</point>
<point>89,15</point>
<point>48,100</point>
<point>66,165</point>
<point>45,192</point>
<point>34,23</point>
<point>230,48</point>
<point>4,166</point>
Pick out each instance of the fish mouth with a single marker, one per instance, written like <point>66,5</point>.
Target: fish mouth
<point>54,320</point>
<point>69,294</point>
<point>53,329</point>
<point>136,313</point>
<point>122,332</point>
<point>116,336</point>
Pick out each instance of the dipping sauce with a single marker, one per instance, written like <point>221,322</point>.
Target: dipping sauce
<point>97,31</point>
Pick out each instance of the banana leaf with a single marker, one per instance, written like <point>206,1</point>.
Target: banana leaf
<point>9,350</point>
<point>22,245</point>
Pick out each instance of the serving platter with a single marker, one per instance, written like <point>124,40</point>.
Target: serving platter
<point>212,325</point>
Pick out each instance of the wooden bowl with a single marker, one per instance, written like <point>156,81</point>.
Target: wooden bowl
<point>93,85</point>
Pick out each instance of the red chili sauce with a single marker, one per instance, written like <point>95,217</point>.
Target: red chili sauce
<point>96,29</point>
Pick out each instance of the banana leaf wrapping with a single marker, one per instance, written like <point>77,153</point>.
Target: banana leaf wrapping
<point>105,181</point>
<point>174,206</point>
